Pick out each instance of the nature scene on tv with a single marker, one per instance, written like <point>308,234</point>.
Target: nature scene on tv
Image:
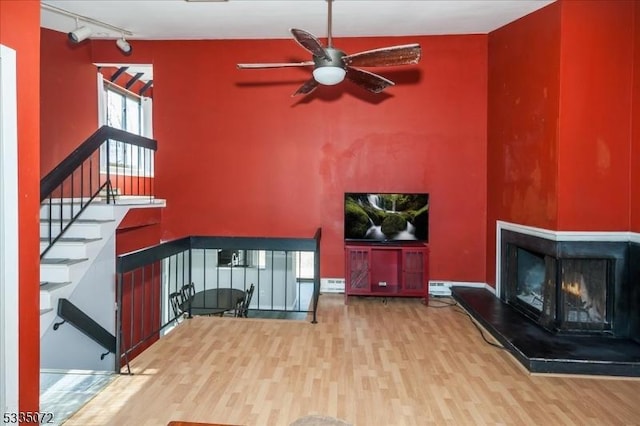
<point>386,217</point>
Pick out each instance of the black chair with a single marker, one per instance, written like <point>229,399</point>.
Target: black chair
<point>187,292</point>
<point>244,311</point>
<point>238,309</point>
<point>175,299</point>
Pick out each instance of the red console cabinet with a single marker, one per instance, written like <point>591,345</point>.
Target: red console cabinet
<point>387,270</point>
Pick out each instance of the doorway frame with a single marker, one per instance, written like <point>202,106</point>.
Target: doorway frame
<point>9,273</point>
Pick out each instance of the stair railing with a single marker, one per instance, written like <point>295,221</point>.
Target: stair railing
<point>111,161</point>
<point>146,279</point>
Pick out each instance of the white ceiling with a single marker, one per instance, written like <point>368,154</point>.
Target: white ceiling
<point>251,19</point>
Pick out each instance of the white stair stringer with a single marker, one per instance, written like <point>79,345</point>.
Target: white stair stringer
<point>73,255</point>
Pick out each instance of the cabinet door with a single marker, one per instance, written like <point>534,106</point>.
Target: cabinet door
<point>358,262</point>
<point>414,271</point>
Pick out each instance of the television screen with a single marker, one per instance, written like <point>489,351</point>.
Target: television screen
<point>386,216</point>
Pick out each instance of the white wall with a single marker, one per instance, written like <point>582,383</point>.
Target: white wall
<point>8,233</point>
<point>68,348</point>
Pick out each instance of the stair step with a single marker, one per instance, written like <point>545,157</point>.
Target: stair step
<point>56,222</point>
<point>50,286</point>
<point>71,240</point>
<point>47,288</point>
<point>61,261</point>
<point>78,221</point>
<point>71,247</point>
<point>81,228</point>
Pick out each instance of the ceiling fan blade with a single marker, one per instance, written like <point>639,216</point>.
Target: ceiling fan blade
<point>386,56</point>
<point>368,80</point>
<point>275,65</point>
<point>308,87</point>
<point>309,42</point>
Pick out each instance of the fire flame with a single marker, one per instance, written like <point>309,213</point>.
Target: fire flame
<point>572,288</point>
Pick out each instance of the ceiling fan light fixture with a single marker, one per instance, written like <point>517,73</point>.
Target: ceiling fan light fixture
<point>329,75</point>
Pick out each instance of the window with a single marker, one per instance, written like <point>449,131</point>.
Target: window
<point>305,264</point>
<point>246,258</point>
<point>124,110</point>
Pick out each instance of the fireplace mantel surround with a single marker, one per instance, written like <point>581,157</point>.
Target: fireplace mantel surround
<point>565,302</point>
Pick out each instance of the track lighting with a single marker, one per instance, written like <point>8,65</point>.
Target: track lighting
<point>124,46</point>
<point>79,34</point>
<point>83,32</point>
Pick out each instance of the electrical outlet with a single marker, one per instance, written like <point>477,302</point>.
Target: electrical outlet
<point>382,284</point>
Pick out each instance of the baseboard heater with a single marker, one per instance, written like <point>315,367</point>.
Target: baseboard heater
<point>439,289</point>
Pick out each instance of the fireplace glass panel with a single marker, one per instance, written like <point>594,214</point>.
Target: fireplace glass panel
<point>530,279</point>
<point>584,294</point>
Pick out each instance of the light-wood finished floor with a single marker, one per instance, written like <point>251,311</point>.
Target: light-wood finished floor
<point>368,363</point>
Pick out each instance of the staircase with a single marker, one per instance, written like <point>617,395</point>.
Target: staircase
<point>80,267</point>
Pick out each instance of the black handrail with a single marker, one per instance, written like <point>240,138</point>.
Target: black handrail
<point>78,179</point>
<point>75,316</point>
<point>67,166</point>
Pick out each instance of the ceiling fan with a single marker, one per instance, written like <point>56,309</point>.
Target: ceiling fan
<point>331,65</point>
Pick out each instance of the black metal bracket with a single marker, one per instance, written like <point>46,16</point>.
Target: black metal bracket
<point>58,324</point>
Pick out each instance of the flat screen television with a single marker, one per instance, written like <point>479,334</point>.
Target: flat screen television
<point>386,217</point>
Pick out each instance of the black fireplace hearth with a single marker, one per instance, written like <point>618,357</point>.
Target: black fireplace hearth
<point>541,351</point>
<point>563,306</point>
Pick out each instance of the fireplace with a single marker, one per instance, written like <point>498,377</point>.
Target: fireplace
<point>569,287</point>
<point>584,294</point>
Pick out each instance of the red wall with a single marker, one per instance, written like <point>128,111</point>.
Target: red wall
<point>68,97</point>
<point>19,30</point>
<point>524,67</point>
<point>238,156</point>
<point>564,160</point>
<point>595,115</point>
<point>140,228</point>
<point>635,141</point>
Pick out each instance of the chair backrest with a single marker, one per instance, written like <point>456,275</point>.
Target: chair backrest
<point>247,301</point>
<point>187,292</point>
<point>239,307</point>
<point>175,299</point>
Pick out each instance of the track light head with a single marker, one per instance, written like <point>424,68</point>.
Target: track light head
<point>79,34</point>
<point>124,46</point>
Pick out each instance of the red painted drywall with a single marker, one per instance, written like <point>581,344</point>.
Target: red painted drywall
<point>596,77</point>
<point>635,140</point>
<point>523,99</point>
<point>20,30</point>
<point>238,156</point>
<point>106,52</point>
<point>68,97</point>
<point>562,161</point>
<point>140,217</point>
<point>140,228</point>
